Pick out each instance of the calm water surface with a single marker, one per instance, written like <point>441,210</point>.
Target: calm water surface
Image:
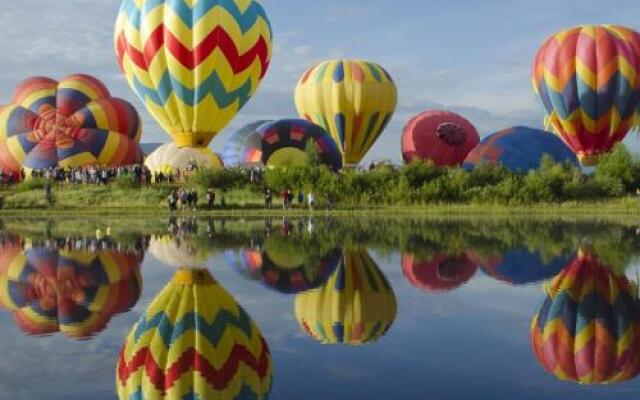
<point>375,309</point>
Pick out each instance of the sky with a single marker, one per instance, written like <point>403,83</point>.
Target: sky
<point>472,57</point>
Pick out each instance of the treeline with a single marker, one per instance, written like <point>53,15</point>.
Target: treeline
<point>617,175</point>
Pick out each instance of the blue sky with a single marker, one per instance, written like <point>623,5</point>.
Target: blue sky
<point>473,57</point>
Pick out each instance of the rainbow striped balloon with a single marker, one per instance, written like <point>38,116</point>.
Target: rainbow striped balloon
<point>356,306</point>
<point>75,293</point>
<point>588,81</point>
<point>588,329</point>
<point>194,64</point>
<point>71,123</point>
<point>194,342</point>
<point>353,100</point>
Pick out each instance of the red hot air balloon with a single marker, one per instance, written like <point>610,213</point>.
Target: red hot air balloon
<point>443,137</point>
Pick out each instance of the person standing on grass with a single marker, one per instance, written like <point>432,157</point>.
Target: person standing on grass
<point>268,196</point>
<point>211,198</point>
<point>300,199</point>
<point>290,197</point>
<point>194,199</point>
<point>311,200</point>
<point>283,199</point>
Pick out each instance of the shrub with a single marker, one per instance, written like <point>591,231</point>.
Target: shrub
<point>126,182</point>
<point>30,184</point>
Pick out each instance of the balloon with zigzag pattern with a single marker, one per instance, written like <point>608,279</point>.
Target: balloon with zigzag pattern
<point>194,342</point>
<point>588,81</point>
<point>194,63</point>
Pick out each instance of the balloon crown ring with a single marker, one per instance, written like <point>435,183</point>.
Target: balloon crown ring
<point>451,133</point>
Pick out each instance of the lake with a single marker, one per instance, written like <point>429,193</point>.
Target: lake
<point>375,308</point>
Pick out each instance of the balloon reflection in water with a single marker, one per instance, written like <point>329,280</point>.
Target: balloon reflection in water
<point>521,266</point>
<point>588,328</point>
<point>285,269</point>
<point>178,252</point>
<point>73,292</point>
<point>194,341</point>
<point>356,306</point>
<point>438,273</point>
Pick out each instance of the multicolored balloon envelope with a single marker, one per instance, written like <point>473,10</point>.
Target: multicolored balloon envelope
<point>71,123</point>
<point>283,143</point>
<point>285,270</point>
<point>194,342</point>
<point>75,293</point>
<point>521,266</point>
<point>169,158</point>
<point>588,81</point>
<point>438,273</point>
<point>588,328</point>
<point>178,253</point>
<point>193,64</point>
<point>353,100</point>
<point>244,147</point>
<point>356,306</point>
<point>519,149</point>
<point>442,137</point>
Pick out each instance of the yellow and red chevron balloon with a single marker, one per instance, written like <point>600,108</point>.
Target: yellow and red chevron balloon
<point>588,81</point>
<point>71,123</point>
<point>353,100</point>
<point>356,306</point>
<point>194,342</point>
<point>588,328</point>
<point>194,63</point>
<point>73,292</point>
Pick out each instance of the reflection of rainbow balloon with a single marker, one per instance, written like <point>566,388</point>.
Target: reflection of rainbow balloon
<point>521,266</point>
<point>287,273</point>
<point>438,273</point>
<point>194,341</point>
<point>356,306</point>
<point>588,329</point>
<point>71,123</point>
<point>588,80</point>
<point>76,293</point>
<point>194,64</point>
<point>352,100</point>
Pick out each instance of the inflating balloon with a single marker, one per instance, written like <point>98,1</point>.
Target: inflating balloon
<point>588,328</point>
<point>71,123</point>
<point>442,137</point>
<point>169,158</point>
<point>75,293</point>
<point>193,64</point>
<point>356,306</point>
<point>353,100</point>
<point>244,147</point>
<point>438,273</point>
<point>588,80</point>
<point>194,341</point>
<point>519,149</point>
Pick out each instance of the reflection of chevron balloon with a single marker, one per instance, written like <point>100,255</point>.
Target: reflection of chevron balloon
<point>588,329</point>
<point>75,293</point>
<point>352,100</point>
<point>194,64</point>
<point>588,80</point>
<point>356,306</point>
<point>71,123</point>
<point>243,147</point>
<point>194,342</point>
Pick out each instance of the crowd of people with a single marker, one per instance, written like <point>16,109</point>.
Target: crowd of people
<point>288,199</point>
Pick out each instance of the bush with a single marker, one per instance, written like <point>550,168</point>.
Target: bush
<point>30,184</point>
<point>127,181</point>
<point>225,179</point>
<point>621,166</point>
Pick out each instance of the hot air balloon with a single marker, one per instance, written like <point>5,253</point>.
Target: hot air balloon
<point>72,292</point>
<point>522,266</point>
<point>353,100</point>
<point>179,253</point>
<point>71,123</point>
<point>438,273</point>
<point>194,65</point>
<point>169,157</point>
<point>442,137</point>
<point>356,306</point>
<point>588,328</point>
<point>588,81</point>
<point>287,269</point>
<point>283,143</point>
<point>244,146</point>
<point>194,341</point>
<point>520,149</point>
